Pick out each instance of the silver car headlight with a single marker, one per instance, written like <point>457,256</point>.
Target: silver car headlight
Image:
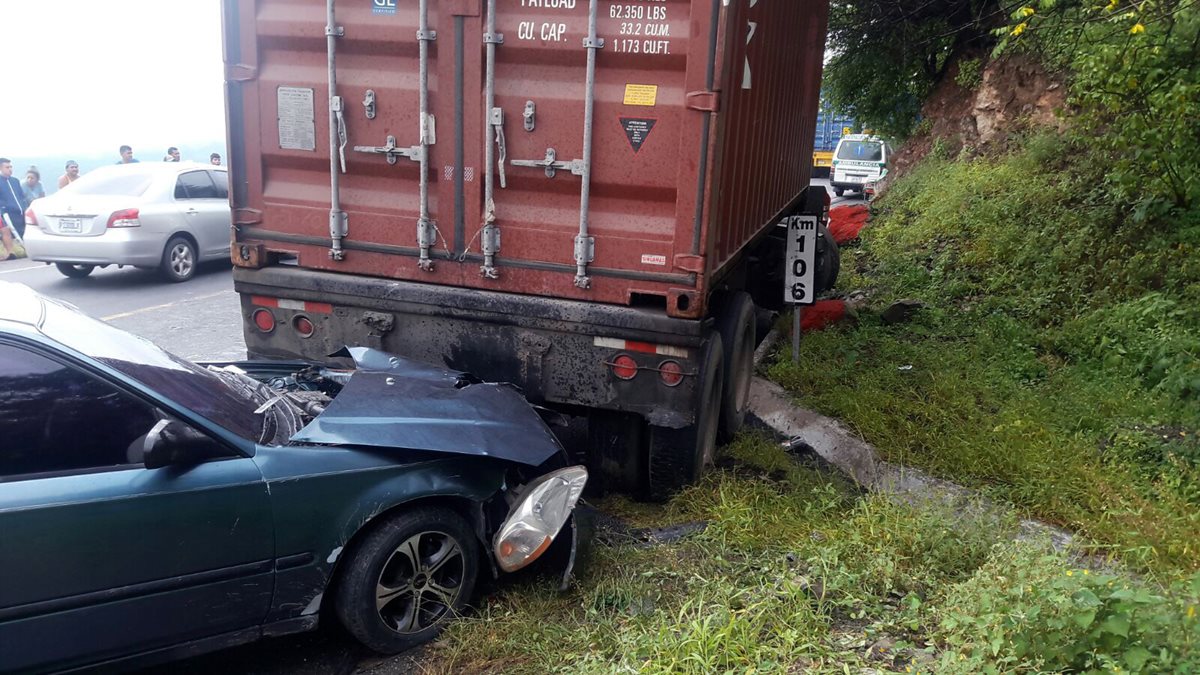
<point>536,519</point>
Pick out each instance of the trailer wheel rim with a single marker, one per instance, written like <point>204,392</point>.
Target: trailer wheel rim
<point>741,371</point>
<point>710,418</point>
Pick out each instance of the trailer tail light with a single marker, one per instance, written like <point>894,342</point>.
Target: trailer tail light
<point>264,319</point>
<point>124,218</point>
<point>303,325</point>
<point>624,367</point>
<point>671,373</point>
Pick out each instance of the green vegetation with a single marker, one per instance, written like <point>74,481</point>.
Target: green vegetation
<point>796,572</point>
<point>1057,362</point>
<point>1135,81</point>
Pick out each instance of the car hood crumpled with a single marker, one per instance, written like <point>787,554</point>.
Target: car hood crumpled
<point>394,402</point>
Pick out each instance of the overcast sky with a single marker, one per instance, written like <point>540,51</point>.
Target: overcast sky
<point>95,75</point>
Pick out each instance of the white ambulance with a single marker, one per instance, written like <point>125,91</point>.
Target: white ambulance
<point>859,159</point>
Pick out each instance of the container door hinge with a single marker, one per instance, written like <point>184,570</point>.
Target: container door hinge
<point>585,250</point>
<point>247,216</point>
<point>369,103</point>
<point>690,263</point>
<point>426,238</point>
<point>392,152</point>
<point>339,227</point>
<point>704,101</point>
<point>585,253</point>
<point>530,115</point>
<point>490,240</point>
<point>240,72</point>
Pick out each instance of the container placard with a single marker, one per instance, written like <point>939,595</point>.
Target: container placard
<point>297,125</point>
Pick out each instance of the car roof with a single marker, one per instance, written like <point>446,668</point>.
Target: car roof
<point>21,304</point>
<point>860,137</point>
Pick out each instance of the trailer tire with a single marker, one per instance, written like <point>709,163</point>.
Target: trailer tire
<point>737,324</point>
<point>617,452</point>
<point>829,260</point>
<point>678,457</point>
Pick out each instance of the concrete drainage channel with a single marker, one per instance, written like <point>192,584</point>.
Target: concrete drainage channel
<point>802,429</point>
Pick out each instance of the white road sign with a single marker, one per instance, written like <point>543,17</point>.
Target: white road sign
<point>799,284</point>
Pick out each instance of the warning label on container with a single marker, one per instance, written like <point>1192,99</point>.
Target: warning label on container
<point>297,128</point>
<point>637,129</point>
<point>641,94</point>
<point>651,259</point>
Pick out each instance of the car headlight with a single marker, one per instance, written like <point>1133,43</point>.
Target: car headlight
<point>536,519</point>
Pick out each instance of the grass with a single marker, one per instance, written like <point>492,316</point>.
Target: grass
<point>1057,362</point>
<point>796,572</point>
<point>1055,367</point>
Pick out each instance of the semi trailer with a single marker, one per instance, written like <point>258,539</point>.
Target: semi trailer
<point>580,197</point>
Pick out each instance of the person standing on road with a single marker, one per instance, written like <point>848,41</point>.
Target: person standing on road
<point>127,155</point>
<point>172,154</point>
<point>32,187</point>
<point>71,175</point>
<point>215,159</point>
<point>12,206</point>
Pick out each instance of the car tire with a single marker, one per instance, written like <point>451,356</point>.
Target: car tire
<point>74,271</point>
<point>179,259</point>
<point>736,323</point>
<point>408,576</point>
<point>679,457</point>
<point>839,191</point>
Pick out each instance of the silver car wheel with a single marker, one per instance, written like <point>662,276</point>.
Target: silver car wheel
<point>420,583</point>
<point>181,260</point>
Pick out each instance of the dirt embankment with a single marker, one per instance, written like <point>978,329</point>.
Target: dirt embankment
<point>981,104</point>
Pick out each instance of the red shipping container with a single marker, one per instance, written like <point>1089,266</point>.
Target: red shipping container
<point>702,114</point>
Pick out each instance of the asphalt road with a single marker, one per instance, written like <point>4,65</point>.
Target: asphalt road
<point>198,319</point>
<point>849,198</point>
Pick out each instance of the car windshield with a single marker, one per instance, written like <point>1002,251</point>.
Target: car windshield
<point>182,381</point>
<point>118,183</point>
<point>866,151</point>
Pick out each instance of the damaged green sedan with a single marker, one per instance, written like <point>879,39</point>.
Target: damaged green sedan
<point>152,508</point>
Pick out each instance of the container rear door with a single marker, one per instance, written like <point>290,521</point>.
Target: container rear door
<point>654,63</point>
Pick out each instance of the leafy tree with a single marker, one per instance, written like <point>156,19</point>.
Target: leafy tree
<point>888,54</point>
<point>1135,82</point>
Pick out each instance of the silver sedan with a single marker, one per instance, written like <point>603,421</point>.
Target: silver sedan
<point>169,216</point>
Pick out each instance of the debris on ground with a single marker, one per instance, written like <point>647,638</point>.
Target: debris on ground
<point>846,222</point>
<point>901,311</point>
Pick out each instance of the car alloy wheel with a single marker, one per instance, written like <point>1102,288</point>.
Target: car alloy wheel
<point>179,259</point>
<point>421,582</point>
<point>407,577</point>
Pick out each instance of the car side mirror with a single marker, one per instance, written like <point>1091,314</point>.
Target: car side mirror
<point>171,442</point>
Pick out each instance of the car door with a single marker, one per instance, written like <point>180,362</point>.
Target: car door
<point>221,180</point>
<point>100,556</point>
<point>206,213</point>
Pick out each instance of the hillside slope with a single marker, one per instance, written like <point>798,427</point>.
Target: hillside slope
<point>1056,364</point>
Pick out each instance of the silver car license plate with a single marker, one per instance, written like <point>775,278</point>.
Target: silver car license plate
<point>70,225</point>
